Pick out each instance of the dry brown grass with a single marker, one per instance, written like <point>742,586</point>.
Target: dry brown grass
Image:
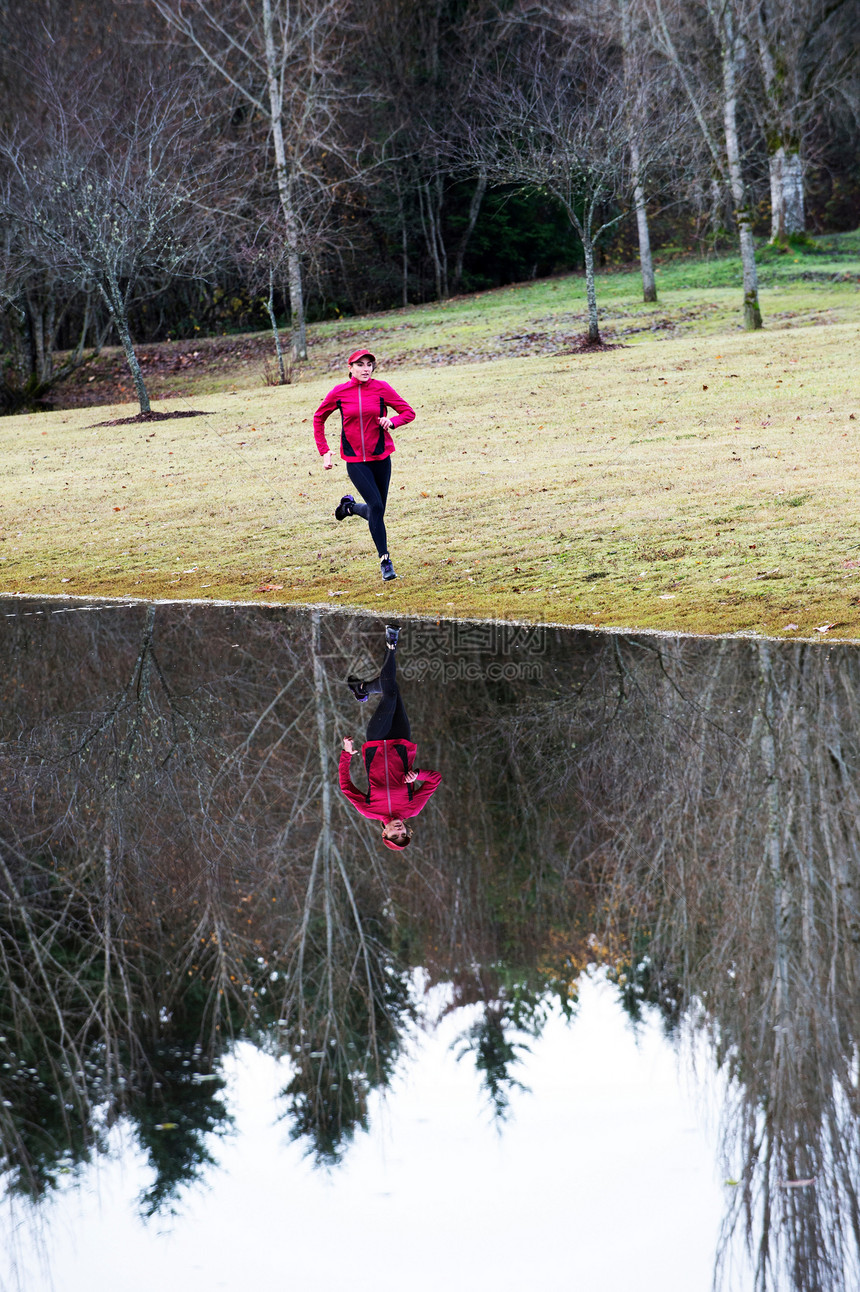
<point>706,484</point>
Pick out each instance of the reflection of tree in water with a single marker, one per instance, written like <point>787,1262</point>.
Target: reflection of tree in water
<point>174,782</point>
<point>729,847</point>
<point>513,1010</point>
<point>177,870</point>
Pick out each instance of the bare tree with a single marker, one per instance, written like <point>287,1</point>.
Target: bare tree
<point>37,307</point>
<point>419,61</point>
<point>98,194</point>
<point>263,260</point>
<point>281,59</point>
<point>615,23</point>
<point>807,51</point>
<point>685,36</point>
<point>557,121</point>
<point>632,67</point>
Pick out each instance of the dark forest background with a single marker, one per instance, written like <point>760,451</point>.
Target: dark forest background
<point>173,168</point>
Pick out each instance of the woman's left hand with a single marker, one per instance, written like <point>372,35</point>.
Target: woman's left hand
<point>385,422</point>
<point>410,777</point>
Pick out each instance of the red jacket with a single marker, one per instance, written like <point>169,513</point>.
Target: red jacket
<point>361,405</point>
<point>388,794</point>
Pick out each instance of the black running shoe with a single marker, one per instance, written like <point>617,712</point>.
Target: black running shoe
<point>392,632</point>
<point>358,688</point>
<point>387,568</point>
<point>344,507</point>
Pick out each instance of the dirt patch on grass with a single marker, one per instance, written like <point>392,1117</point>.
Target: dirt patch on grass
<point>585,345</point>
<point>151,416</point>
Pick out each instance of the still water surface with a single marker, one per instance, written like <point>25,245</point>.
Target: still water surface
<point>596,1020</point>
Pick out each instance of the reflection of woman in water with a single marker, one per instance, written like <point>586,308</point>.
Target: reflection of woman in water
<point>395,788</point>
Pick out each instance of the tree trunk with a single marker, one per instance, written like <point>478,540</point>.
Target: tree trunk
<point>119,318</point>
<point>729,43</point>
<point>294,264</point>
<point>590,290</point>
<point>649,287</point>
<point>437,222</point>
<point>773,847</point>
<point>474,210</point>
<point>405,255</point>
<point>322,738</point>
<point>786,173</point>
<point>270,310</point>
<point>428,227</point>
<point>786,194</point>
<point>404,246</point>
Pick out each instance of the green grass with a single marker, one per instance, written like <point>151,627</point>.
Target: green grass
<point>698,478</point>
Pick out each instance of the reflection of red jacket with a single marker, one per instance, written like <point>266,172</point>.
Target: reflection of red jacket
<point>361,405</point>
<point>388,795</point>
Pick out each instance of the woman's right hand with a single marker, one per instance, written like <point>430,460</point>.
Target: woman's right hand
<point>348,745</point>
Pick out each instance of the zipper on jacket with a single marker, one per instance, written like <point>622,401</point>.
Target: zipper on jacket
<point>387,781</point>
<point>361,426</point>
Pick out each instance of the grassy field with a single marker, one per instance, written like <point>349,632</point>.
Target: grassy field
<point>695,478</point>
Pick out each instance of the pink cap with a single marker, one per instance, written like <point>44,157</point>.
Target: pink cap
<point>361,354</point>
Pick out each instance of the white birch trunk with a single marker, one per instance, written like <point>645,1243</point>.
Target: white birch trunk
<point>649,286</point>
<point>729,43</point>
<point>786,172</point>
<point>788,214</point>
<point>294,264</point>
<point>773,845</point>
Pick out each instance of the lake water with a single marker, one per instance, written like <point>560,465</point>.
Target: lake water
<point>594,1023</point>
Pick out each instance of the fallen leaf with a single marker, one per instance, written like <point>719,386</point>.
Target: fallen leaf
<point>270,587</point>
<point>790,628</point>
<point>824,628</point>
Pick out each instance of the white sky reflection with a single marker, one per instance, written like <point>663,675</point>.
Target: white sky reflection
<point>604,1177</point>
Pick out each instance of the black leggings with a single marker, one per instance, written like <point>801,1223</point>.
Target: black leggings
<point>389,722</point>
<point>372,479</point>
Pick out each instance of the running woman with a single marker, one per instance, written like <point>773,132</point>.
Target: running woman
<point>365,444</point>
<point>396,789</point>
